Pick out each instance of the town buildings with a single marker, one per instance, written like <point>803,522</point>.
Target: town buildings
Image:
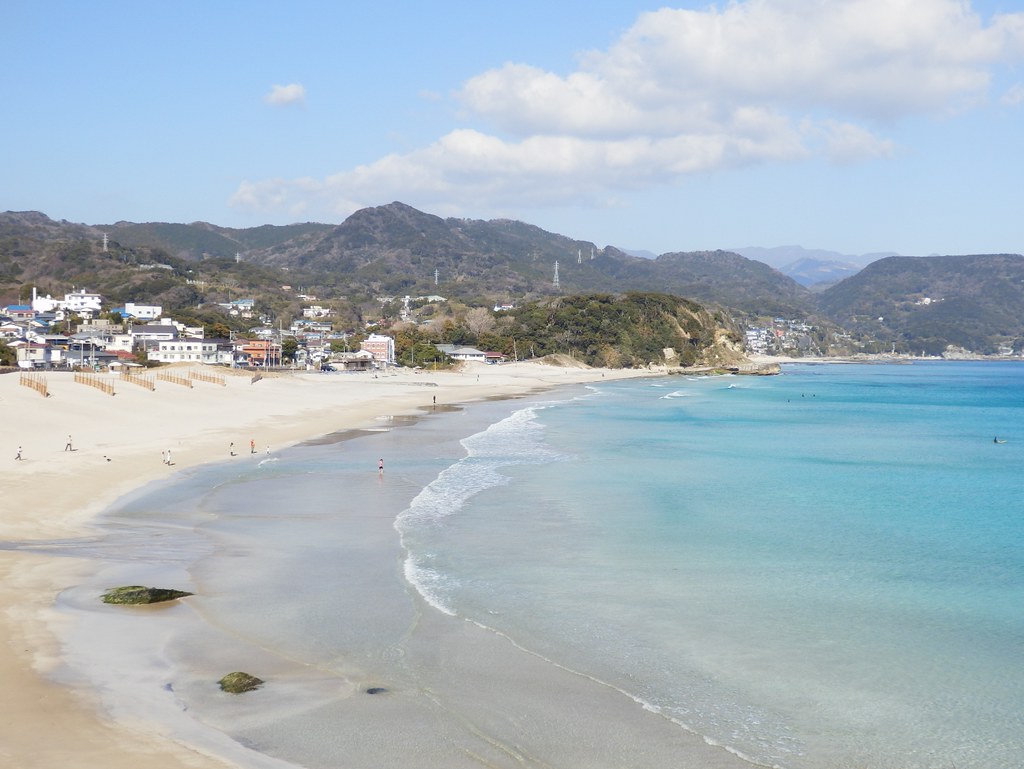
<point>29,329</point>
<point>382,348</point>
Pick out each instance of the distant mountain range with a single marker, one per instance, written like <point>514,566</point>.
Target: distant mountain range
<point>814,268</point>
<point>926,303</point>
<point>811,267</point>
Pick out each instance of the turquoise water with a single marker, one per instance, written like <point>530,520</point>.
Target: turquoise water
<point>820,569</point>
<point>823,569</point>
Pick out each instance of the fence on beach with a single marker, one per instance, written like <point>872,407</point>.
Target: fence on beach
<point>92,380</point>
<point>167,376</point>
<point>203,376</point>
<point>35,382</point>
<point>138,380</point>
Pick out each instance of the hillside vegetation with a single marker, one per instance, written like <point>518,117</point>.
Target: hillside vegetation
<point>926,304</point>
<point>399,250</point>
<point>632,329</point>
<point>910,304</point>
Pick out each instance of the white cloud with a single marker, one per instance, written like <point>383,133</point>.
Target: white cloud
<point>847,143</point>
<point>1013,96</point>
<point>286,95</point>
<point>468,166</point>
<point>684,92</point>
<point>875,59</point>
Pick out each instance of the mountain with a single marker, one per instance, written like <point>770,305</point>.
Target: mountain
<point>397,249</point>
<point>816,274</point>
<point>780,256</point>
<point>376,246</point>
<point>201,240</point>
<point>810,267</point>
<point>55,257</point>
<point>645,254</point>
<point>730,280</point>
<point>384,250</point>
<point>926,304</point>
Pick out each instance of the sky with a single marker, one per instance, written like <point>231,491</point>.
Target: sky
<point>858,126</point>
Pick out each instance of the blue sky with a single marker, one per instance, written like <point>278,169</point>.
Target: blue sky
<point>852,125</point>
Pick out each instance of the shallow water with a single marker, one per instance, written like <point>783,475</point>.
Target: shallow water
<point>820,569</point>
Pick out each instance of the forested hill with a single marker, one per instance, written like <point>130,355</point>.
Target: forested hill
<point>402,250</point>
<point>929,303</point>
<point>396,249</point>
<point>912,304</point>
<point>201,240</point>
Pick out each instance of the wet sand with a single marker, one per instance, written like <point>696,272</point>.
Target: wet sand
<point>119,443</point>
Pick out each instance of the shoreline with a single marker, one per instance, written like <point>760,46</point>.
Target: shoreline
<point>55,493</point>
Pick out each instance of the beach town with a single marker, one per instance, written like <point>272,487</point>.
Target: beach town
<point>81,330</point>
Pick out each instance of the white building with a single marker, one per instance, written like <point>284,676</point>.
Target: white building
<point>83,302</point>
<point>143,311</point>
<point>240,307</point>
<point>191,350</point>
<point>149,336</point>
<point>121,342</point>
<point>757,340</point>
<point>11,330</point>
<point>44,304</point>
<point>462,352</point>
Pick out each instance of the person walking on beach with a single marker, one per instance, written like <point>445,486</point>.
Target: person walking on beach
<point>231,448</point>
<point>380,465</point>
<point>18,455</point>
<point>252,445</point>
<point>67,446</point>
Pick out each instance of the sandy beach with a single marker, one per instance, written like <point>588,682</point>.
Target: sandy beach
<point>81,449</point>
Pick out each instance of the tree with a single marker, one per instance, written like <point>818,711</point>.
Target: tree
<point>8,356</point>
<point>289,346</point>
<point>407,336</point>
<point>113,317</point>
<point>217,330</point>
<point>479,321</point>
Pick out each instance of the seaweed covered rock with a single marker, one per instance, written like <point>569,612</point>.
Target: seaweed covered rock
<point>239,682</point>
<point>138,594</point>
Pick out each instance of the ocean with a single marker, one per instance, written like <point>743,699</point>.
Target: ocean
<point>822,569</point>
